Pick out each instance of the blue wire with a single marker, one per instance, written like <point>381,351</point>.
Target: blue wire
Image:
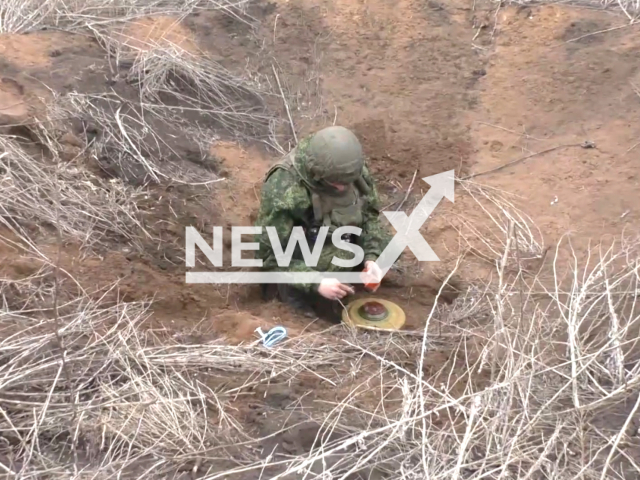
<point>274,336</point>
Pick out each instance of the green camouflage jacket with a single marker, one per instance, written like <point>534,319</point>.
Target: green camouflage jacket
<point>286,202</point>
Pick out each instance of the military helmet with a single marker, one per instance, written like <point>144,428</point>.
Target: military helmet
<point>335,156</point>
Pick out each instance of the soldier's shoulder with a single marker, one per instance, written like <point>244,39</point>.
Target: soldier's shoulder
<point>284,187</point>
<point>281,179</point>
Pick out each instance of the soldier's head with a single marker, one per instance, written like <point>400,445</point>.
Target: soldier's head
<point>335,157</point>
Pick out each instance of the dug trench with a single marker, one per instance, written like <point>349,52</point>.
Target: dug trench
<point>411,79</point>
<point>382,107</point>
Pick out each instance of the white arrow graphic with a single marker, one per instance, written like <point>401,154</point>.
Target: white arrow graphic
<point>408,228</point>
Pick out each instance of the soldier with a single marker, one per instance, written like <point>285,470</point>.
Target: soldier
<point>323,181</point>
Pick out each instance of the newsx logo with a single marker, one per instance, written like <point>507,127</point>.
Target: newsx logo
<point>407,235</point>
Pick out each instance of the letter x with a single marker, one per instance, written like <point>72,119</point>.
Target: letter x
<point>408,232</point>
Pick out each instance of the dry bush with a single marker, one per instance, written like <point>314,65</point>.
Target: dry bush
<point>502,221</point>
<point>20,16</point>
<point>200,87</point>
<point>530,405</point>
<point>90,400</point>
<point>62,195</point>
<point>628,8</point>
<point>180,104</point>
<point>180,82</point>
<point>177,86</point>
<point>527,402</point>
<point>83,394</point>
<point>87,392</point>
<point>132,144</point>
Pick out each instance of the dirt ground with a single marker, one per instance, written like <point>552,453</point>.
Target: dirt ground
<point>428,86</point>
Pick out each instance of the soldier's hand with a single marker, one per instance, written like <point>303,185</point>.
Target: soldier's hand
<point>332,289</point>
<point>371,273</point>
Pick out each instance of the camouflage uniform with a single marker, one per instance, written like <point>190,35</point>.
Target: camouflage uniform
<point>295,193</point>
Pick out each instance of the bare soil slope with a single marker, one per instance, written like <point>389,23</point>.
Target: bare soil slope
<point>553,81</point>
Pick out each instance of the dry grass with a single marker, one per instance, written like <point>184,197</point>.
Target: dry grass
<point>177,95</point>
<point>628,8</point>
<point>506,220</point>
<point>181,92</point>
<point>28,15</point>
<point>534,368</point>
<point>135,145</point>
<point>102,409</point>
<point>532,375</point>
<point>64,196</point>
<point>176,81</point>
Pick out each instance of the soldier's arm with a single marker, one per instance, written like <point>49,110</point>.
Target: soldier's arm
<point>374,236</point>
<point>282,205</point>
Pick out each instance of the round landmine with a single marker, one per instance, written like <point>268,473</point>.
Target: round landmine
<point>374,312</point>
